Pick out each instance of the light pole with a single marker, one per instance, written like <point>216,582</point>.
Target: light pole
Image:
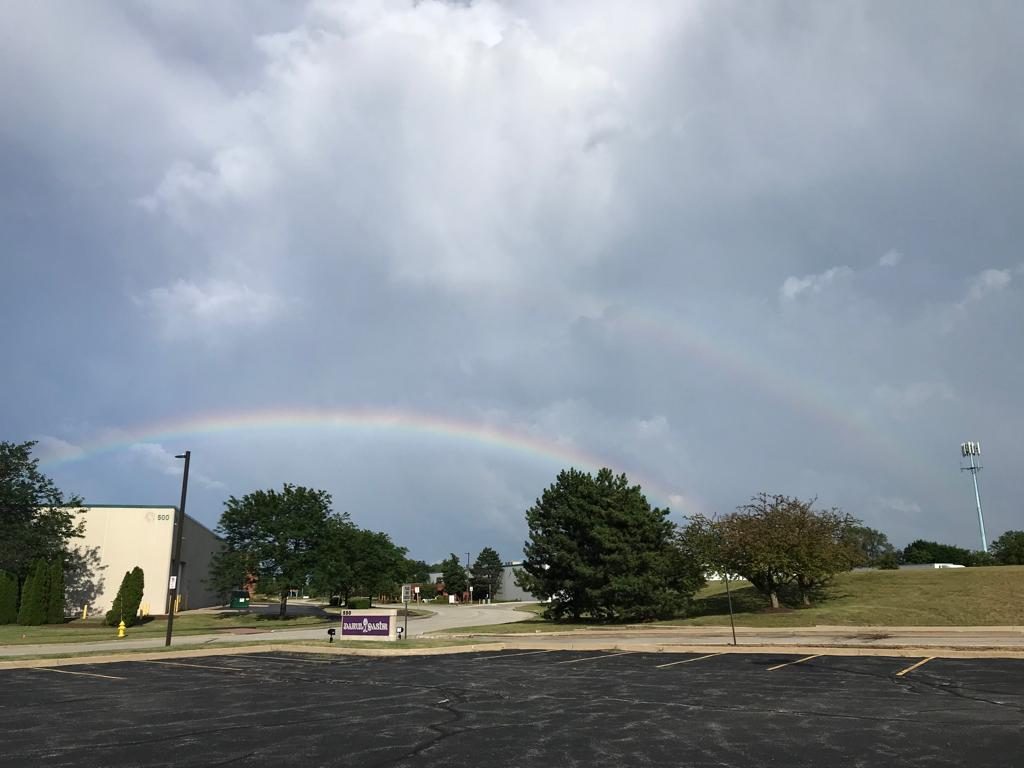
<point>172,581</point>
<point>970,450</point>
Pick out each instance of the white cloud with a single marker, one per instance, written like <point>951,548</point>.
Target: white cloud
<point>987,282</point>
<point>794,287</point>
<point>898,505</point>
<point>185,308</point>
<point>890,259</point>
<point>157,458</point>
<point>51,448</point>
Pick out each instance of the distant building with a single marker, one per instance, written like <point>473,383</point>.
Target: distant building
<point>509,589</point>
<point>118,538</point>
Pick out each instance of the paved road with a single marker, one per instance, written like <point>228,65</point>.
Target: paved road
<point>446,617</point>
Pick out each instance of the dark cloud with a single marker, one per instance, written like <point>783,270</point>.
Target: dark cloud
<point>663,235</point>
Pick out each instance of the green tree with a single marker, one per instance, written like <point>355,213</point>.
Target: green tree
<point>456,581</point>
<point>872,546</point>
<point>36,518</point>
<point>8,598</point>
<point>34,594</point>
<point>417,571</point>
<point>1008,549</point>
<point>357,561</point>
<point>55,595</point>
<point>274,536</point>
<point>775,542</point>
<point>597,548</point>
<point>486,574</point>
<point>922,552</point>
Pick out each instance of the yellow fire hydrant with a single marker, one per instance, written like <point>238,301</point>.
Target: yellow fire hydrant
<point>120,629</point>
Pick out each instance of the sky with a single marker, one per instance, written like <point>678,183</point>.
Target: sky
<point>424,255</point>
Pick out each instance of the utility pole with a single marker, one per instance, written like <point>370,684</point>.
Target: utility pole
<point>970,450</point>
<point>172,582</point>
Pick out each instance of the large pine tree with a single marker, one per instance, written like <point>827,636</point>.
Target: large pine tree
<point>598,549</point>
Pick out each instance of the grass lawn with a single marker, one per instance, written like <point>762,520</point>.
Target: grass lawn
<point>945,597</point>
<point>89,630</point>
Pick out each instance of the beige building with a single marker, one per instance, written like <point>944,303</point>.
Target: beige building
<point>118,538</point>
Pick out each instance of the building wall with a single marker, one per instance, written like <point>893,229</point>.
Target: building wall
<point>118,538</point>
<point>198,546</point>
<point>509,590</point>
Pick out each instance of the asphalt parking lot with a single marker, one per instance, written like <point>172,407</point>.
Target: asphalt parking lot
<point>517,708</point>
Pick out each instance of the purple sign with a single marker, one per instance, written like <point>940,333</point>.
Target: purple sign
<point>365,626</point>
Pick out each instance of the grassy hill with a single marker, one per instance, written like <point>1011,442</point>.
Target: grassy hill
<point>953,597</point>
<point>942,597</point>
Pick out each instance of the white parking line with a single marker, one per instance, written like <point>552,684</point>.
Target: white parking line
<point>86,674</point>
<point>196,666</point>
<point>508,656</point>
<point>594,658</point>
<point>687,661</point>
<point>790,663</point>
<point>278,658</point>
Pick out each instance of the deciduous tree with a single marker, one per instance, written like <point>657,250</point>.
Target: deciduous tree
<point>36,518</point>
<point>8,598</point>
<point>274,536</point>
<point>1008,549</point>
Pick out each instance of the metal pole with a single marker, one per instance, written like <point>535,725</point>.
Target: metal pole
<point>405,632</point>
<point>977,498</point>
<point>728,596</point>
<point>176,551</point>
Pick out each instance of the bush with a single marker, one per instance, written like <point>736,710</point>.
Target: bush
<point>34,595</point>
<point>357,603</point>
<point>8,598</point>
<point>888,562</point>
<point>129,598</point>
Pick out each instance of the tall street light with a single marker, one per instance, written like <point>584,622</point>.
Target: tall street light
<point>172,581</point>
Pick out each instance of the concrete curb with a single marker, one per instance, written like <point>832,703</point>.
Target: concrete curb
<point>195,653</point>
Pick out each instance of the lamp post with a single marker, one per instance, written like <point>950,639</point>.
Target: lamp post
<point>172,581</point>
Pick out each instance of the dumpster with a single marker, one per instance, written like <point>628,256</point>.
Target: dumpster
<point>240,600</point>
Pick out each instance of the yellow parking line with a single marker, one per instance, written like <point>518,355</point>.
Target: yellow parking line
<point>592,658</point>
<point>912,667</point>
<point>788,663</point>
<point>86,674</point>
<point>195,666</point>
<point>687,661</point>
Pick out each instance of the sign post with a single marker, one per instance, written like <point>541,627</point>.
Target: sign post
<point>406,596</point>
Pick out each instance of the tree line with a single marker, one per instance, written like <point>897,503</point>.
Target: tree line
<point>279,540</point>
<point>598,549</point>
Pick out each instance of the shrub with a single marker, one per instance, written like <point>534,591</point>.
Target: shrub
<point>129,598</point>
<point>34,595</point>
<point>357,603</point>
<point>8,598</point>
